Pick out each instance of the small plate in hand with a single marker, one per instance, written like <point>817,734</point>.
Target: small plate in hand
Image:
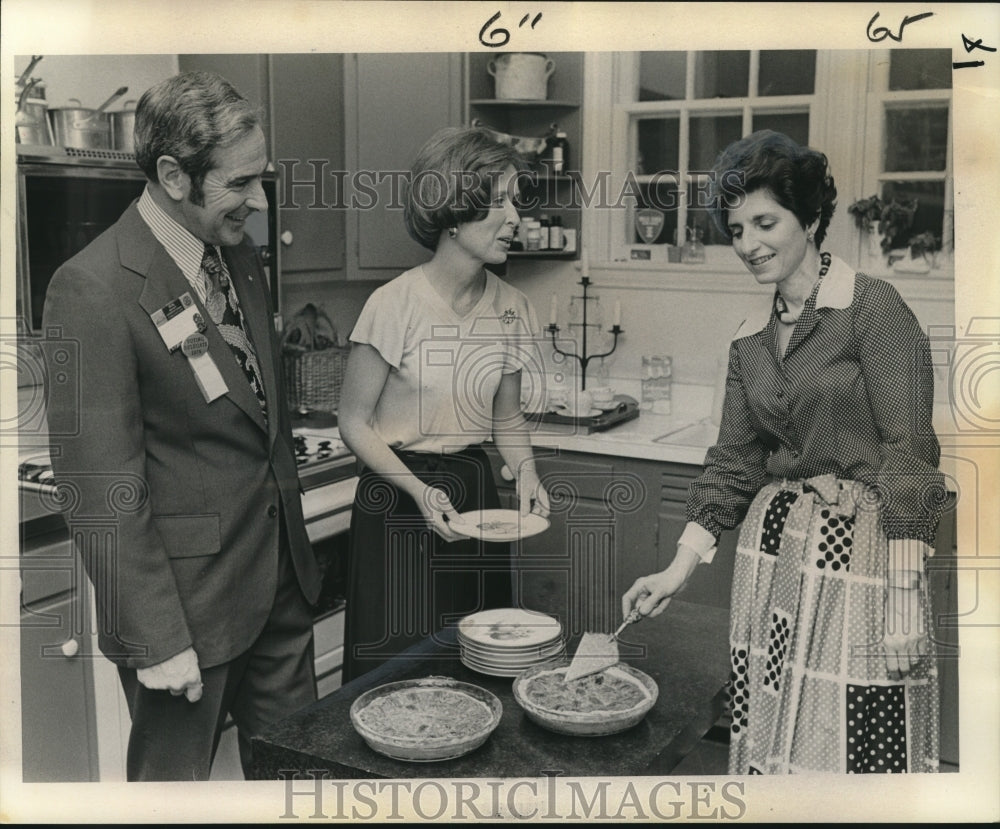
<point>500,524</point>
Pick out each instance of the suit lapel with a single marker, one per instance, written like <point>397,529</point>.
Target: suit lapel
<point>140,252</point>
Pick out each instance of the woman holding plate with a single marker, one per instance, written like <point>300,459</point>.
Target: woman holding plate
<point>435,371</point>
<point>827,455</point>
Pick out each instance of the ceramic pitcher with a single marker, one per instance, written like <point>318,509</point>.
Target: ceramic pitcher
<point>521,75</point>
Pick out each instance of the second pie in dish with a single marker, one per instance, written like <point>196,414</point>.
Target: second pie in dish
<point>435,718</point>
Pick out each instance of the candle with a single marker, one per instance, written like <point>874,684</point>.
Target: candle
<point>584,264</point>
<point>618,313</point>
<point>552,310</point>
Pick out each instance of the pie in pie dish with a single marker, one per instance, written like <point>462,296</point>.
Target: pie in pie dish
<point>605,692</point>
<point>435,718</point>
<point>602,703</point>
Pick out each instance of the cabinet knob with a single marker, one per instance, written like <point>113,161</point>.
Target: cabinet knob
<point>505,473</point>
<point>287,238</point>
<point>70,647</point>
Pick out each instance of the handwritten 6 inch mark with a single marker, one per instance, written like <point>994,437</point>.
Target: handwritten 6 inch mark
<point>499,36</point>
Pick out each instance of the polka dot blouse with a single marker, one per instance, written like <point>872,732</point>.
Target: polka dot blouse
<point>852,395</point>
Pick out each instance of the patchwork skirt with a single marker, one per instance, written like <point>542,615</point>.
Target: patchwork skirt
<point>809,690</point>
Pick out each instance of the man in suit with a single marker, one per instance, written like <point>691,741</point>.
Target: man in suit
<point>180,430</point>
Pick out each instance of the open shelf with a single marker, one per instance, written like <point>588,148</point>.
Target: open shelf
<point>522,102</point>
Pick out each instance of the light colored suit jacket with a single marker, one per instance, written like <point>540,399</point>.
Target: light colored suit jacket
<point>175,503</point>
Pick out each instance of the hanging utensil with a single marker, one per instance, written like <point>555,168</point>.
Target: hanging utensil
<point>27,72</point>
<point>114,97</point>
<point>597,651</point>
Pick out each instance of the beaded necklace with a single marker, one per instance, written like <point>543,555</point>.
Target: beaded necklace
<point>781,308</point>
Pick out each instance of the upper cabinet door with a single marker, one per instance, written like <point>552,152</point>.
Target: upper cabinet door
<point>396,102</point>
<point>307,120</point>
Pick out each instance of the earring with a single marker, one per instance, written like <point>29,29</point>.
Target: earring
<point>810,236</point>
<point>453,232</point>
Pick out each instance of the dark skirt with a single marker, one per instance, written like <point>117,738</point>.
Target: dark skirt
<point>405,582</point>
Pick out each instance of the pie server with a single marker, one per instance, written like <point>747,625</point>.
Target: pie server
<point>597,651</point>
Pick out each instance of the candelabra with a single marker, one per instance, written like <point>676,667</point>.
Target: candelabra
<point>582,356</point>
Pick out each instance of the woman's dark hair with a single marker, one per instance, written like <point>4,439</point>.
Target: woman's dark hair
<point>797,177</point>
<point>452,181</point>
<point>187,117</point>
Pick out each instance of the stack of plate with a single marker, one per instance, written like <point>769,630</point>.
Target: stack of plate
<point>508,640</point>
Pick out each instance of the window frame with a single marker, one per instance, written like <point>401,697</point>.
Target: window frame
<point>880,99</point>
<point>843,79</point>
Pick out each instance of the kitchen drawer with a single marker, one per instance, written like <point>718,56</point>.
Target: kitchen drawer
<point>328,633</point>
<point>329,662</point>
<point>328,684</point>
<point>49,566</point>
<point>573,475</point>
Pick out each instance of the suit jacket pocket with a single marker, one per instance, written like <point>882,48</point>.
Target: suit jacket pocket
<point>185,536</point>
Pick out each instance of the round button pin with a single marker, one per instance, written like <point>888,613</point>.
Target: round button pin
<point>194,345</point>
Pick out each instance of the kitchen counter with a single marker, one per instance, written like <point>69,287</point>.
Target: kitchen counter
<point>688,432</point>
<point>684,650</point>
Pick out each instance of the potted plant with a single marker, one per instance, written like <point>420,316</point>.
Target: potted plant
<point>866,212</point>
<point>896,221</point>
<point>922,247</point>
<point>883,222</point>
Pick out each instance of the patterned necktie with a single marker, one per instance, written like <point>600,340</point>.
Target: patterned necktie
<point>225,311</point>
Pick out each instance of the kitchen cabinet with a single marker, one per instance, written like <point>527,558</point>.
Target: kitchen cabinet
<point>552,194</point>
<point>58,722</point>
<point>572,571</point>
<point>307,124</point>
<point>302,96</point>
<point>652,533</point>
<point>393,104</point>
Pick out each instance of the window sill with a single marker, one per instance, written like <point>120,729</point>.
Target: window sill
<point>732,277</point>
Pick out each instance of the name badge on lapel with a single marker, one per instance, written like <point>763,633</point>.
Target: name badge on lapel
<point>182,327</point>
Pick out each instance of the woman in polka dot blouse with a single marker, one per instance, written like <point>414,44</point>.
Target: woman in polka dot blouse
<point>827,455</point>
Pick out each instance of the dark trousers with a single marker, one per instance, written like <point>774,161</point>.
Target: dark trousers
<point>173,739</point>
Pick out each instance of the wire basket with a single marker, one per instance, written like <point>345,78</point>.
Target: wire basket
<point>314,378</point>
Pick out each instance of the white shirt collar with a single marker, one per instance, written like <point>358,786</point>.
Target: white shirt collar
<point>836,290</point>
<point>181,244</point>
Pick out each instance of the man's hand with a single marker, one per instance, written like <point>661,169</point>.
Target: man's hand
<point>179,675</point>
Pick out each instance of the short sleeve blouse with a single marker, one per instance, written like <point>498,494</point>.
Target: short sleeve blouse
<point>445,368</point>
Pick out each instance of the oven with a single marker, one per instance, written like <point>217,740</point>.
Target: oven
<point>66,198</point>
<point>328,472</point>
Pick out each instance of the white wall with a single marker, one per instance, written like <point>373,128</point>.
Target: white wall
<point>94,78</point>
<point>690,316</point>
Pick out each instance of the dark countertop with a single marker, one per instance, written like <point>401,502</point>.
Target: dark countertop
<point>685,650</point>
